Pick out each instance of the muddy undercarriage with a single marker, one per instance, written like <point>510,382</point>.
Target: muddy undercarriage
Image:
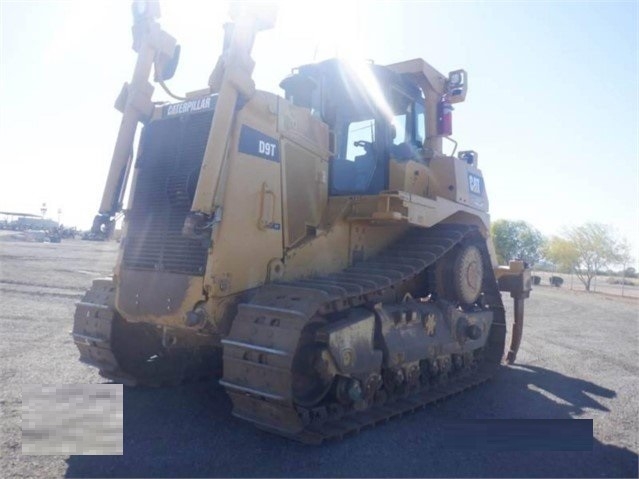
<point>326,356</point>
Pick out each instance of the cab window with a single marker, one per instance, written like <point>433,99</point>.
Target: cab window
<point>420,124</point>
<point>356,167</point>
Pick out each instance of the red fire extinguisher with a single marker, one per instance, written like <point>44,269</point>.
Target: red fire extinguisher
<point>444,117</point>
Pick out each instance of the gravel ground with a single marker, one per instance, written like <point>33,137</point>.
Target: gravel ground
<point>578,360</point>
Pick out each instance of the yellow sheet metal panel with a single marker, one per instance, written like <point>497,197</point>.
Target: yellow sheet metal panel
<point>243,244</point>
<point>410,176</point>
<point>305,191</point>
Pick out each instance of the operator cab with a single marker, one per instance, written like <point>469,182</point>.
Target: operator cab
<point>373,113</point>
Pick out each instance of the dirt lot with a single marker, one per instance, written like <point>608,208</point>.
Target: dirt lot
<point>578,360</point>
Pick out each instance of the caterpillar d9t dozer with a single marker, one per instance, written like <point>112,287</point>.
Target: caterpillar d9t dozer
<point>319,252</point>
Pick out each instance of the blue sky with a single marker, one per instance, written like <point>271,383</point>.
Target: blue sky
<point>552,106</point>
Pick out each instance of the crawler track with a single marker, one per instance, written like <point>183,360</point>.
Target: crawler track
<point>259,353</point>
<point>93,331</point>
<point>133,353</point>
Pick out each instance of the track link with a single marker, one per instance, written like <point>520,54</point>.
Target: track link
<point>133,353</point>
<point>93,331</point>
<point>260,349</point>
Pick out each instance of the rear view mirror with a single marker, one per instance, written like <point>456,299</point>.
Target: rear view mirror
<point>165,66</point>
<point>457,86</point>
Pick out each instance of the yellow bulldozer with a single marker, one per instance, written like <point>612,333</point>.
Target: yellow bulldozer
<point>318,253</point>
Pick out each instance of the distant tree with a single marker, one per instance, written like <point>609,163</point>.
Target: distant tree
<point>624,253</point>
<point>562,253</point>
<point>596,248</point>
<point>630,272</point>
<point>516,240</point>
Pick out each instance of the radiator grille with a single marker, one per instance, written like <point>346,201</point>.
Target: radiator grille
<point>169,166</point>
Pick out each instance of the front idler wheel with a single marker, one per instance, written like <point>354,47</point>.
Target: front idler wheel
<point>468,275</point>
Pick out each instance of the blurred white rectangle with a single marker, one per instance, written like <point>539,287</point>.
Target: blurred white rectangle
<point>72,419</point>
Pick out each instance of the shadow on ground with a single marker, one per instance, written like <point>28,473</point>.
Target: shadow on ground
<point>189,431</point>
